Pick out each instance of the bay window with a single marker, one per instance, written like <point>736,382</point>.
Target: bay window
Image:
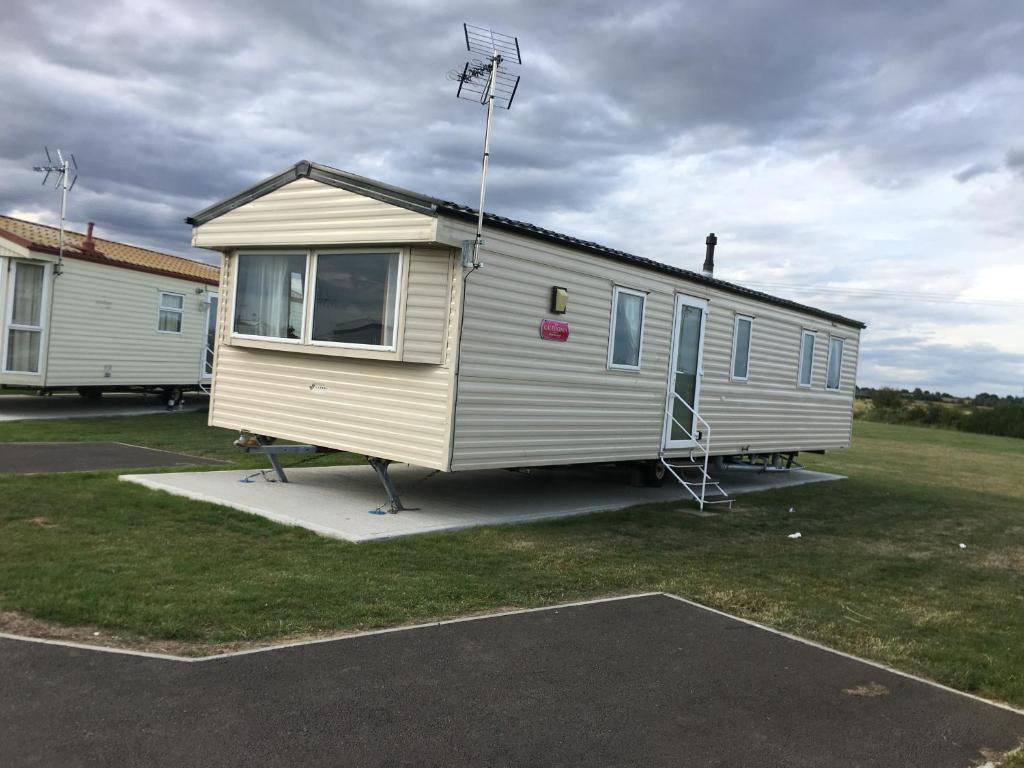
<point>324,299</point>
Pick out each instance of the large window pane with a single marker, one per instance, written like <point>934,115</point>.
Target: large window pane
<point>627,329</point>
<point>355,298</point>
<point>806,358</point>
<point>27,307</point>
<point>741,348</point>
<point>23,351</point>
<point>269,295</point>
<point>835,363</point>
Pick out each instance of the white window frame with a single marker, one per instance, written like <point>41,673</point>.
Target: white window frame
<point>311,295</point>
<point>616,292</point>
<point>750,347</point>
<point>235,262</point>
<point>9,324</point>
<point>804,333</point>
<point>160,309</point>
<point>828,366</point>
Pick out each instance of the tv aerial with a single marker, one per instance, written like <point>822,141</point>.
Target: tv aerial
<point>64,168</point>
<point>487,81</point>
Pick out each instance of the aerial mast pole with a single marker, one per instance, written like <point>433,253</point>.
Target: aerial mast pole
<point>488,82</point>
<point>495,63</point>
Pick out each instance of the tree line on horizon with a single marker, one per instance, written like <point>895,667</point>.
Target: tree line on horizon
<point>984,413</point>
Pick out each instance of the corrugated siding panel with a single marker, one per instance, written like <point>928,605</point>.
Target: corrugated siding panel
<point>395,410</point>
<point>306,212</point>
<point>379,408</point>
<point>527,401</point>
<point>106,316</point>
<point>427,304</point>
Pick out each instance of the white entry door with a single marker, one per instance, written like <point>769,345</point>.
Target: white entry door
<point>685,371</point>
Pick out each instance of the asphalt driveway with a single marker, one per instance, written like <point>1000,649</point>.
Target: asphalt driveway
<point>30,458</point>
<point>643,681</point>
<point>71,406</point>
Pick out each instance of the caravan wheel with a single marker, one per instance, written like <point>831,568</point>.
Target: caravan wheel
<point>654,473</point>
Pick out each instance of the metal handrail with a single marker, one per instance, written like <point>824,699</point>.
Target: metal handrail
<point>706,447</point>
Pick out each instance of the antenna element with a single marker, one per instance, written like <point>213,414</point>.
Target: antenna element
<point>488,82</point>
<point>63,169</point>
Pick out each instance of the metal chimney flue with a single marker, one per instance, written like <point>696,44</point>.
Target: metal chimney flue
<point>709,258</point>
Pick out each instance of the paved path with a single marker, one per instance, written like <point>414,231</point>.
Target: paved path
<point>71,406</point>
<point>646,681</point>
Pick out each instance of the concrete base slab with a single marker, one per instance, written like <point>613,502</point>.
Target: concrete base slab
<point>71,406</point>
<point>340,501</point>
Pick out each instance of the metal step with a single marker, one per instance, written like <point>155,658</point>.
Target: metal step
<point>698,486</point>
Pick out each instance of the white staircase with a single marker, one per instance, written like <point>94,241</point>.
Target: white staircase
<point>692,473</point>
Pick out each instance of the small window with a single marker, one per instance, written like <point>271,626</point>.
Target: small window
<point>627,331</point>
<point>355,299</point>
<point>741,347</point>
<point>270,293</point>
<point>172,307</point>
<point>806,358</point>
<point>835,363</point>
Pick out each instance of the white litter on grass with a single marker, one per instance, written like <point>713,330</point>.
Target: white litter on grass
<point>962,545</point>
<point>792,510</point>
<point>794,535</point>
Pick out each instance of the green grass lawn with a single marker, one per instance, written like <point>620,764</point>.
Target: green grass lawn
<point>879,571</point>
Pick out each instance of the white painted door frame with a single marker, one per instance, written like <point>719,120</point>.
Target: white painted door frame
<point>683,300</point>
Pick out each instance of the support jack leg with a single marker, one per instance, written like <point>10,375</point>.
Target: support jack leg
<point>380,466</point>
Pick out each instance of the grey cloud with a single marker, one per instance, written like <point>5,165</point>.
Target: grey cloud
<point>1015,160</point>
<point>973,171</point>
<point>171,107</point>
<point>903,362</point>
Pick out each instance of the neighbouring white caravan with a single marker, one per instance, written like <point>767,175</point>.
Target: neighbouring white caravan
<point>350,322</point>
<point>107,317</point>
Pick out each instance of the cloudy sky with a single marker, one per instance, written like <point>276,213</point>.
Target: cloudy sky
<point>866,157</point>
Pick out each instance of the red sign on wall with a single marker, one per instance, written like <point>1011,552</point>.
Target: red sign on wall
<point>554,330</point>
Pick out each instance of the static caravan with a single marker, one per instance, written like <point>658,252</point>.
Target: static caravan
<point>352,321</point>
<point>106,317</point>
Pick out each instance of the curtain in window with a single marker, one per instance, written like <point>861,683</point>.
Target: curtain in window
<point>807,359</point>
<point>269,296</point>
<point>23,351</point>
<point>28,294</point>
<point>629,312</point>
<point>24,337</point>
<point>835,363</point>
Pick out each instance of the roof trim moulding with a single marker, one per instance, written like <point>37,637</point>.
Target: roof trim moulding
<point>332,177</point>
<point>432,206</point>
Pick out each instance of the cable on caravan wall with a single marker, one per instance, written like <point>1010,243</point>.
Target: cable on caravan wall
<point>458,362</point>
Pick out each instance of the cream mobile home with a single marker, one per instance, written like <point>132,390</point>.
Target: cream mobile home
<point>105,317</point>
<point>352,321</point>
